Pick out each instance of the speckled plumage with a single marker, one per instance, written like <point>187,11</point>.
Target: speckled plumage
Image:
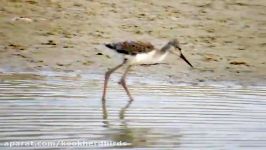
<point>131,47</point>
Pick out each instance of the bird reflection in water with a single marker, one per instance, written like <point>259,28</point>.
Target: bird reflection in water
<point>124,133</point>
<point>105,114</point>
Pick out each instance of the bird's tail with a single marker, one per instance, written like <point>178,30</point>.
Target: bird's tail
<point>111,46</point>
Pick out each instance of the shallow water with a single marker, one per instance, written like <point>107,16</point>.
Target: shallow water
<point>163,115</point>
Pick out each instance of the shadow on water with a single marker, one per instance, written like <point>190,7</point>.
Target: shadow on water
<point>54,108</point>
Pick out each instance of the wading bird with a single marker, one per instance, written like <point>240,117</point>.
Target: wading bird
<point>140,53</point>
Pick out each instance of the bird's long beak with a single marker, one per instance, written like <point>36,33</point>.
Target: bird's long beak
<point>184,58</point>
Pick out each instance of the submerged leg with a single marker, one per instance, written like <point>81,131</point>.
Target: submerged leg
<point>107,76</point>
<point>123,83</point>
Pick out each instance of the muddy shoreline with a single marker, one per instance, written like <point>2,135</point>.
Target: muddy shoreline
<point>225,41</point>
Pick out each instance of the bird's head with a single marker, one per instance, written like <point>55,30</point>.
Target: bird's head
<point>178,51</point>
<point>175,44</point>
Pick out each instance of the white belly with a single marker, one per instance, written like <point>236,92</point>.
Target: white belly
<point>148,58</point>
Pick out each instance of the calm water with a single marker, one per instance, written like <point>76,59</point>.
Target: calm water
<point>182,116</point>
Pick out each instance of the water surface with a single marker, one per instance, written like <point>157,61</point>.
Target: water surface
<point>163,115</point>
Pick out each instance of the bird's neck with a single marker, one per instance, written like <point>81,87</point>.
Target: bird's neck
<point>166,48</point>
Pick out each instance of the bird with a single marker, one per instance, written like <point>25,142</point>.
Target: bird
<point>140,53</point>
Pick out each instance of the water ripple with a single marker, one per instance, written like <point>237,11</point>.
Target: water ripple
<point>162,116</point>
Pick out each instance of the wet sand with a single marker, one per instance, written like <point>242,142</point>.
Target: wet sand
<point>224,40</point>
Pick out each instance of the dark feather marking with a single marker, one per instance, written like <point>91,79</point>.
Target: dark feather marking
<point>109,46</point>
<point>131,47</point>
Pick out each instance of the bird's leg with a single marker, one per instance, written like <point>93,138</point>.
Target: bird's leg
<point>107,76</point>
<point>123,83</point>
<point>123,110</point>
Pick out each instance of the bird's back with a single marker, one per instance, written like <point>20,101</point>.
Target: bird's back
<point>131,47</point>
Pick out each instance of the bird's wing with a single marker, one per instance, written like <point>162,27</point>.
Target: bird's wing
<point>131,47</point>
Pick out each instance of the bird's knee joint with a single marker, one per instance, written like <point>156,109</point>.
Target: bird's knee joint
<point>108,73</point>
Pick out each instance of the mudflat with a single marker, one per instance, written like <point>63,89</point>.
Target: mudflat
<point>224,40</point>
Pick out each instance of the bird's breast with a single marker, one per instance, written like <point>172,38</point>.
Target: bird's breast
<point>148,58</point>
